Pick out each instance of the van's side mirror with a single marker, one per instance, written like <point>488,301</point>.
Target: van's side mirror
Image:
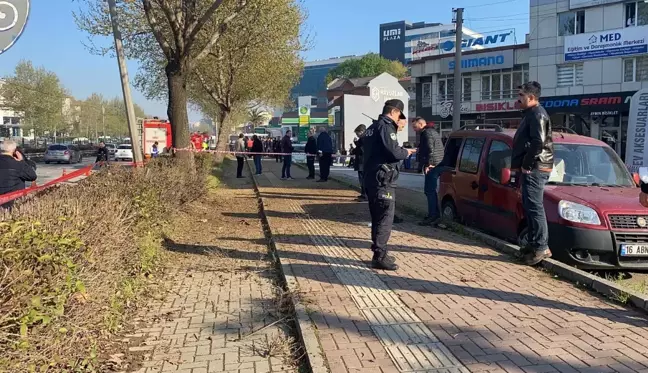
<point>505,176</point>
<point>635,177</point>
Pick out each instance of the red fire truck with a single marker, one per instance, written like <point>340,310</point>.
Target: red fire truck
<point>155,130</point>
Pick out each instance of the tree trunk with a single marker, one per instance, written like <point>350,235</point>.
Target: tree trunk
<point>177,108</point>
<point>224,132</point>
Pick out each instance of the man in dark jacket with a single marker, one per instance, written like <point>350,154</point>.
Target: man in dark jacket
<point>358,159</point>
<point>102,153</point>
<point>325,147</point>
<point>382,154</point>
<point>257,149</point>
<point>276,148</point>
<point>286,147</point>
<point>311,150</point>
<point>430,156</point>
<point>533,155</point>
<point>14,171</point>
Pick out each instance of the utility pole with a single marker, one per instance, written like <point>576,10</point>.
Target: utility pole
<point>458,83</point>
<point>103,121</point>
<point>128,99</point>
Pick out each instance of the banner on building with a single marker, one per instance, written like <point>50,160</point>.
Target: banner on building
<point>611,43</point>
<point>636,151</point>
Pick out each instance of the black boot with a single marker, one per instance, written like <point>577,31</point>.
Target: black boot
<point>383,261</point>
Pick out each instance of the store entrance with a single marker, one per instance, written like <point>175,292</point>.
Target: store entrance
<point>612,137</point>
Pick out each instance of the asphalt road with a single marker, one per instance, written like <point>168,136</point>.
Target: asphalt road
<point>49,172</point>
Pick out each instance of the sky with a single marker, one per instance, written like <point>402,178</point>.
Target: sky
<point>335,28</point>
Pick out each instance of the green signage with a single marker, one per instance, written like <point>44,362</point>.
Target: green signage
<point>303,134</point>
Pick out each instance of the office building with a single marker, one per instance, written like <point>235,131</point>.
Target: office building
<point>313,80</point>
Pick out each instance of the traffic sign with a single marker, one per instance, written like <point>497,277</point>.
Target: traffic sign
<point>13,18</point>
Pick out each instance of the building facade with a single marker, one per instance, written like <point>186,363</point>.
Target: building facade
<point>489,81</point>
<point>313,80</point>
<point>406,42</point>
<point>590,58</point>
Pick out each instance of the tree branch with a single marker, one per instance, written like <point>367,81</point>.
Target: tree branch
<point>193,28</point>
<point>157,30</point>
<point>171,17</point>
<point>206,87</point>
<point>223,27</point>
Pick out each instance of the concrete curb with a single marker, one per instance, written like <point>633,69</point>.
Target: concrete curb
<point>305,326</point>
<point>579,277</point>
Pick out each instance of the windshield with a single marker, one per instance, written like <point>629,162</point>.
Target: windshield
<point>125,147</point>
<point>589,165</point>
<point>111,146</point>
<point>58,147</point>
<point>299,148</point>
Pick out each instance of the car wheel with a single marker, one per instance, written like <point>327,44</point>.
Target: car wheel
<point>522,238</point>
<point>449,211</point>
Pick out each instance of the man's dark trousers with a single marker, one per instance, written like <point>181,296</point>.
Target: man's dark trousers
<point>239,166</point>
<point>430,189</point>
<point>285,169</point>
<point>382,202</point>
<point>533,203</point>
<point>325,165</point>
<point>310,162</point>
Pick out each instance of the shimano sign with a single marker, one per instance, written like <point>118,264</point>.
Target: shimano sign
<point>476,43</point>
<point>480,62</point>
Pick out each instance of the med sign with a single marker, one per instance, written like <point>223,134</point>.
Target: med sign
<point>621,42</point>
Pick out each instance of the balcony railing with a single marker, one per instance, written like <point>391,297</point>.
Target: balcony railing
<point>499,94</point>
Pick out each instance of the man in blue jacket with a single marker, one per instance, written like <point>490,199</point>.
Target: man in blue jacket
<point>325,148</point>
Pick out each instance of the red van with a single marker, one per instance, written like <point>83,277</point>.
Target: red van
<point>591,200</point>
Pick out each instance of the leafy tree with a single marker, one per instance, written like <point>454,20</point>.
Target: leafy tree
<point>173,34</point>
<point>102,117</point>
<point>256,116</point>
<point>37,96</point>
<point>371,64</point>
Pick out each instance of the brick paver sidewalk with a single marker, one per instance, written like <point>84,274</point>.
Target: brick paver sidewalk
<point>453,306</point>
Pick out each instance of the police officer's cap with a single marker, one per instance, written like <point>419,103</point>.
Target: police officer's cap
<point>397,104</point>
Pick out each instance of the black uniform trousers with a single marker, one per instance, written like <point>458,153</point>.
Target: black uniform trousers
<point>381,196</point>
<point>310,162</point>
<point>239,166</point>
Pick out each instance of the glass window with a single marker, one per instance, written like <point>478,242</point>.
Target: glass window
<point>499,157</point>
<point>517,79</point>
<point>569,75</point>
<point>496,87</point>
<point>442,89</point>
<point>576,164</point>
<point>507,89</point>
<point>470,155</point>
<point>426,100</point>
<point>452,147</point>
<point>571,23</point>
<point>635,69</point>
<point>485,87</point>
<point>636,14</point>
<point>467,88</point>
<point>446,88</point>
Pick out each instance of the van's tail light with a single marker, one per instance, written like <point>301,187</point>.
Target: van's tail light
<point>66,152</point>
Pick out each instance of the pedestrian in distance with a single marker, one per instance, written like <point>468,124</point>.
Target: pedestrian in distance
<point>102,153</point>
<point>239,148</point>
<point>358,159</point>
<point>154,150</point>
<point>533,156</point>
<point>325,149</point>
<point>257,150</point>
<point>382,156</point>
<point>430,156</point>
<point>287,148</point>
<point>14,171</point>
<point>277,149</point>
<point>311,149</point>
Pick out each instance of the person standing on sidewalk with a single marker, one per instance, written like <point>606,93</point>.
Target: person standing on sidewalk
<point>533,155</point>
<point>276,148</point>
<point>325,148</point>
<point>257,149</point>
<point>430,155</point>
<point>358,159</point>
<point>239,148</point>
<point>311,150</point>
<point>382,155</point>
<point>14,171</point>
<point>286,147</point>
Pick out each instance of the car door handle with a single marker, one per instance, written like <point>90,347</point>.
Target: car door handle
<point>474,185</point>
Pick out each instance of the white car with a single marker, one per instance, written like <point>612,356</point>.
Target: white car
<point>124,153</point>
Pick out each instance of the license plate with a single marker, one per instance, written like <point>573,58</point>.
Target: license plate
<point>634,250</point>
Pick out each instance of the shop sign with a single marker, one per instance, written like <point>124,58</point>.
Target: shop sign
<point>636,152</point>
<point>488,40</point>
<point>446,108</point>
<point>599,102</point>
<point>480,62</point>
<point>425,48</point>
<point>380,92</point>
<point>605,113</point>
<point>498,106</point>
<point>613,43</point>
<point>304,120</point>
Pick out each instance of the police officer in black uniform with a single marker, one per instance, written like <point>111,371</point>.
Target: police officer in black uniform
<point>382,155</point>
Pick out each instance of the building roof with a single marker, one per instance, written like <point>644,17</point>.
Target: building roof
<point>355,82</point>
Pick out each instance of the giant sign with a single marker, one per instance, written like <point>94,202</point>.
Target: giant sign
<point>636,151</point>
<point>610,43</point>
<point>576,4</point>
<point>392,41</point>
<point>13,18</point>
<point>478,42</point>
<point>479,62</point>
<point>597,102</point>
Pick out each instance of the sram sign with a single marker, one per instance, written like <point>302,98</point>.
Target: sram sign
<point>598,102</point>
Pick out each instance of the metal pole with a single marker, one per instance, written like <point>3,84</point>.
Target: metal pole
<point>458,84</point>
<point>128,99</point>
<point>103,121</point>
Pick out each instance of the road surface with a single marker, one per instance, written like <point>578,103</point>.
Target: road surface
<point>49,172</point>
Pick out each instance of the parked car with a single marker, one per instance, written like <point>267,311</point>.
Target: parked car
<point>124,153</point>
<point>63,153</point>
<point>299,153</point>
<point>112,150</point>
<point>591,200</point>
